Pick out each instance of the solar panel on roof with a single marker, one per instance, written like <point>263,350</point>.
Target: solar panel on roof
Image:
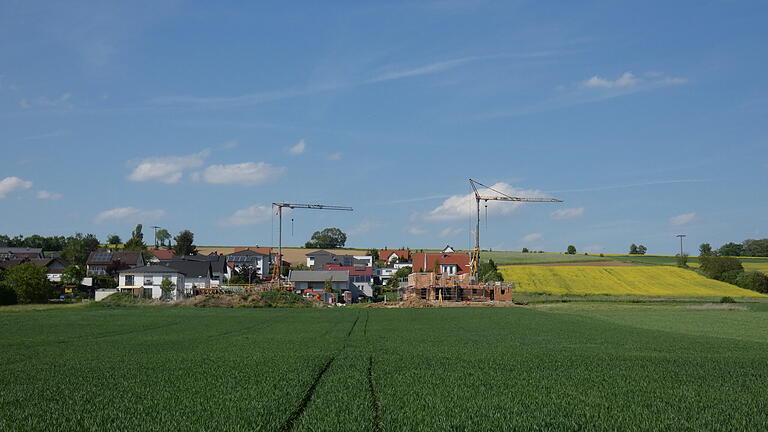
<point>102,257</point>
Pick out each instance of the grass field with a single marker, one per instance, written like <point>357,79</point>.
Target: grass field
<point>562,368</point>
<point>507,258</point>
<point>641,280</point>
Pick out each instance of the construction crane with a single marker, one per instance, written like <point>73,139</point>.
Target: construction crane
<point>475,261</point>
<point>280,206</point>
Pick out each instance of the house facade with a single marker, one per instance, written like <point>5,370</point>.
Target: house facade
<point>394,255</point>
<point>359,276</point>
<point>318,260</point>
<point>145,281</point>
<point>308,282</point>
<point>197,273</point>
<point>244,259</point>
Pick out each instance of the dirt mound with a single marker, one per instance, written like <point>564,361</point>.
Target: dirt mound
<point>266,299</point>
<point>416,303</point>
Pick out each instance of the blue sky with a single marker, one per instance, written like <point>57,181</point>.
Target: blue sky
<point>648,119</point>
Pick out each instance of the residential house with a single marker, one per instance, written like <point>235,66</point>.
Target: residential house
<point>10,253</point>
<point>220,271</point>
<point>108,262</point>
<point>359,276</point>
<point>160,254</point>
<point>247,259</point>
<point>442,263</point>
<point>449,249</point>
<point>54,266</point>
<point>145,281</point>
<point>197,273</point>
<point>318,260</point>
<point>310,282</point>
<point>394,255</point>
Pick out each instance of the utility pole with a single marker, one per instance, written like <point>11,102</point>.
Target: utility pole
<point>681,243</point>
<point>155,227</point>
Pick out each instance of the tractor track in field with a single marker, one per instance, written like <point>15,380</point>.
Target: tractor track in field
<point>298,413</point>
<point>375,404</point>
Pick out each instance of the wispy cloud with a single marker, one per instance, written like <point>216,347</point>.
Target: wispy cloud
<point>252,215</point>
<point>594,89</point>
<point>450,232</point>
<point>334,156</point>
<point>46,195</point>
<point>532,238</point>
<point>364,227</point>
<point>246,173</point>
<point>682,219</point>
<point>128,214</point>
<point>168,169</point>
<point>416,231</point>
<point>229,145</point>
<point>390,73</point>
<point>568,213</point>
<point>630,185</point>
<point>9,185</point>
<point>43,101</point>
<point>298,148</point>
<point>419,199</point>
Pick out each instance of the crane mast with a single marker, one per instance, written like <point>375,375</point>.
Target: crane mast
<point>280,206</point>
<point>475,261</point>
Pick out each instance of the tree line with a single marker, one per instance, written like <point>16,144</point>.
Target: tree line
<point>747,248</point>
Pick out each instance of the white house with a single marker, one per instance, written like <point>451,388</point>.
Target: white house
<point>145,281</point>
<point>245,259</point>
<point>449,249</point>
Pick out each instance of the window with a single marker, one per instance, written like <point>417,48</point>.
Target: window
<point>146,293</point>
<point>128,280</point>
<point>148,280</point>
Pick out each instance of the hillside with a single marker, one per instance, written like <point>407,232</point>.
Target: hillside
<point>610,280</point>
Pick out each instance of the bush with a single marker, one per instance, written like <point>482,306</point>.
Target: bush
<point>731,276</point>
<point>727,300</point>
<point>30,282</point>
<point>753,280</point>
<point>716,267</point>
<point>682,260</point>
<point>7,295</point>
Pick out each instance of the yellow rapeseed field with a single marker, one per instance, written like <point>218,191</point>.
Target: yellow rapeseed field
<point>640,280</point>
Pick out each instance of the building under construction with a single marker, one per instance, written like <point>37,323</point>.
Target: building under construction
<point>459,288</point>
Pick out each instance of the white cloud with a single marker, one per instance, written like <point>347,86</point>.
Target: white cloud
<point>334,156</point>
<point>168,169</point>
<point>246,173</point>
<point>532,238</point>
<point>450,232</point>
<point>45,195</point>
<point>568,213</point>
<point>629,80</point>
<point>459,207</point>
<point>128,214</point>
<point>13,184</point>
<point>298,148</point>
<point>252,215</point>
<point>682,219</point>
<point>364,227</point>
<point>416,231</point>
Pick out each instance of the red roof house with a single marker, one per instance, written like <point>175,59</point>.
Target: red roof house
<point>448,263</point>
<point>394,254</point>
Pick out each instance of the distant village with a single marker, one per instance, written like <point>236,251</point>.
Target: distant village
<point>336,276</point>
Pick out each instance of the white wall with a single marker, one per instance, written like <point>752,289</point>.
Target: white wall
<point>157,279</point>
